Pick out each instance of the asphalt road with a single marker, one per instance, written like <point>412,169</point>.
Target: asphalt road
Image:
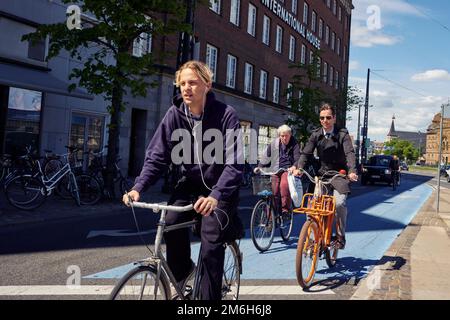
<point>62,252</point>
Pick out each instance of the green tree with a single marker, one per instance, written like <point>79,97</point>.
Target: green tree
<point>402,148</point>
<point>308,81</point>
<point>104,49</point>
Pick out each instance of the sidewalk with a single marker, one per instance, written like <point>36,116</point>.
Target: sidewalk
<point>417,264</point>
<point>55,208</point>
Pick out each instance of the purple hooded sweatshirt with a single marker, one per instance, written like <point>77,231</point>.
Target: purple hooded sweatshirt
<point>223,175</point>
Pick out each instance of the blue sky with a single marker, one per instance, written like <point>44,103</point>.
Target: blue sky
<point>408,44</point>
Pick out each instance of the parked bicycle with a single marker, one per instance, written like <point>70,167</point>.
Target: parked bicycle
<point>266,216</point>
<point>29,191</point>
<point>315,238</point>
<point>152,277</point>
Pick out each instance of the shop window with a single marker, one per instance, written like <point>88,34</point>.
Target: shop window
<point>23,121</point>
<point>86,133</point>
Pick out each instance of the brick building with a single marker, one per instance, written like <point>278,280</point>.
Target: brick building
<point>249,45</point>
<point>433,140</point>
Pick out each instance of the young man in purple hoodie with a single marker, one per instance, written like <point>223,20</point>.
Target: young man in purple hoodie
<point>211,183</point>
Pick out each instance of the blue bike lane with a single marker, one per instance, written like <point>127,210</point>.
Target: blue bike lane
<point>375,219</point>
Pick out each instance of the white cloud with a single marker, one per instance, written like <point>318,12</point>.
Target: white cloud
<point>361,36</point>
<point>353,65</point>
<point>432,75</point>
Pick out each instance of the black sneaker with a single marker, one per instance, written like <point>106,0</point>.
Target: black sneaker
<point>338,242</point>
<point>182,283</point>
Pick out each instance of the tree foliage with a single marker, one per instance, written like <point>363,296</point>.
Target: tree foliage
<point>402,148</point>
<point>103,47</point>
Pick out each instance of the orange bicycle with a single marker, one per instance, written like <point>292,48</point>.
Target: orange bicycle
<point>315,238</point>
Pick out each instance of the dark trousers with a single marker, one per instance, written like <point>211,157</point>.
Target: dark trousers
<point>214,232</point>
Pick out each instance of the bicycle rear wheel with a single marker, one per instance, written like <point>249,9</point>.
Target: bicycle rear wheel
<point>262,225</point>
<point>231,279</point>
<point>307,253</point>
<point>139,284</point>
<point>25,192</point>
<point>287,222</point>
<point>88,189</point>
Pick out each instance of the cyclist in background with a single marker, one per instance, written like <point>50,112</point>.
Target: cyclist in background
<point>335,151</point>
<point>283,152</point>
<point>394,166</point>
<point>214,187</point>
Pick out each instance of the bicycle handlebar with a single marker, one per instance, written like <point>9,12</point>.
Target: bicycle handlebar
<point>267,173</point>
<point>156,207</point>
<point>327,173</point>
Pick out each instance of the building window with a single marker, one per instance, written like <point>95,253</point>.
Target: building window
<point>231,71</point>
<point>266,135</point>
<point>248,78</point>
<point>336,80</point>
<point>320,28</point>
<point>289,94</point>
<point>311,57</point>
<point>214,5</point>
<point>251,26</point>
<point>23,121</point>
<point>86,132</point>
<point>246,138</point>
<point>334,7</point>
<point>305,13</point>
<point>331,76</point>
<point>339,46</point>
<point>235,12</point>
<point>294,6</point>
<point>325,72</point>
<point>319,66</point>
<point>327,35</point>
<point>279,39</point>
<point>345,54</point>
<point>343,82</point>
<point>333,40</point>
<point>276,90</point>
<point>263,84</point>
<point>142,45</point>
<point>292,48</point>
<point>329,4</point>
<point>38,51</point>
<point>303,55</point>
<point>340,13</point>
<point>211,59</point>
<point>313,21</point>
<point>266,30</point>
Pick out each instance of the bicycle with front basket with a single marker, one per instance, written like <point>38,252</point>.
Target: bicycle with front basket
<point>315,238</point>
<point>151,278</point>
<point>265,216</point>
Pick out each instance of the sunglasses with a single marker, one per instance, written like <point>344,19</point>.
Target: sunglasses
<point>327,117</point>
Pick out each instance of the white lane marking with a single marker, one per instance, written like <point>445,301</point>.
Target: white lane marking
<point>56,290</point>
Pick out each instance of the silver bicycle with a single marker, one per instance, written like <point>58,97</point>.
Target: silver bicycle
<point>151,278</point>
<point>29,191</point>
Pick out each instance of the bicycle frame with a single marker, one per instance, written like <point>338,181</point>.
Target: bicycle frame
<point>157,257</point>
<point>51,182</point>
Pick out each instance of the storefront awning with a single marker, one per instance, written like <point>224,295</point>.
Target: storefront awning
<point>31,79</point>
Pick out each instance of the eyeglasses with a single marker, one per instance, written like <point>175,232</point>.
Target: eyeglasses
<point>327,117</point>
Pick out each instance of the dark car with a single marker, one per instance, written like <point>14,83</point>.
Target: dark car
<point>377,170</point>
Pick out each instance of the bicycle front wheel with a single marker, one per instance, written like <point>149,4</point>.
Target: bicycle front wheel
<point>286,224</point>
<point>307,253</point>
<point>231,280</point>
<point>141,283</point>
<point>25,192</point>
<point>262,225</point>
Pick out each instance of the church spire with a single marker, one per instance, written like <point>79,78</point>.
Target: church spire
<point>392,130</point>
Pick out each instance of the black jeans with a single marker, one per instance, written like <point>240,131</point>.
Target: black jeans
<point>215,230</point>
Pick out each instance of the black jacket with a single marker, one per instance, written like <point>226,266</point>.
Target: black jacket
<point>335,153</point>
